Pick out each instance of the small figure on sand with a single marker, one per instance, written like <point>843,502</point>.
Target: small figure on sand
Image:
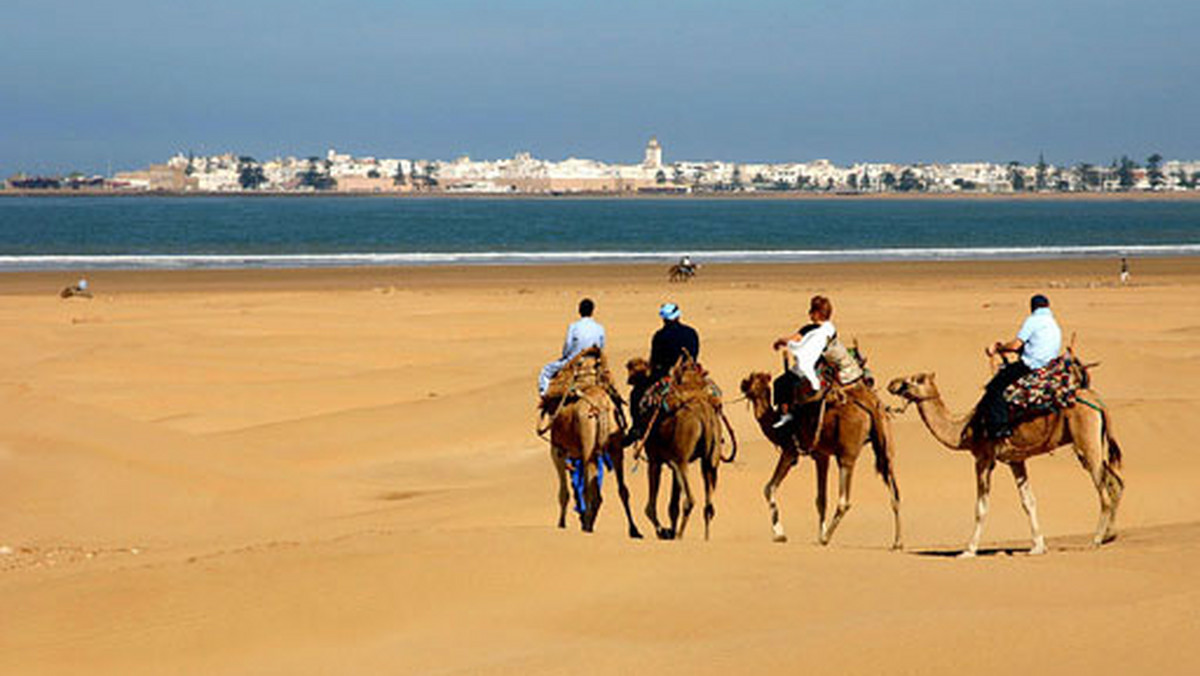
<point>684,270</point>
<point>1124,270</point>
<point>80,289</point>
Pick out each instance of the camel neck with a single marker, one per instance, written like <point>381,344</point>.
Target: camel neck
<point>945,428</point>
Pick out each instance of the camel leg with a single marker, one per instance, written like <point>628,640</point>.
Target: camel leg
<point>591,493</point>
<point>1109,487</point>
<point>1113,488</point>
<point>1030,504</point>
<point>845,473</point>
<point>617,456</point>
<point>673,506</point>
<point>564,491</point>
<point>709,471</point>
<point>822,462</point>
<point>983,488</point>
<point>894,493</point>
<point>782,467</point>
<point>681,482</point>
<point>653,478</point>
<point>1092,447</point>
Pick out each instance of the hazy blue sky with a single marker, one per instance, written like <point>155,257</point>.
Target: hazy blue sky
<point>127,82</point>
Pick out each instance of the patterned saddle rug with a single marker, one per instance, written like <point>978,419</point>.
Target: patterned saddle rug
<point>1050,388</point>
<point>686,381</point>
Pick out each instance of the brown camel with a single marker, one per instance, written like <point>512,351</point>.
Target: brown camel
<point>1085,426</point>
<point>848,425</point>
<point>585,424</point>
<point>688,429</point>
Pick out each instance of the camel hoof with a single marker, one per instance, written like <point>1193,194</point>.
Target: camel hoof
<point>1038,551</point>
<point>780,538</point>
<point>633,533</point>
<point>897,546</point>
<point>966,554</point>
<point>666,534</point>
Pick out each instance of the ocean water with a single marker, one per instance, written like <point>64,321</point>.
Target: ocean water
<point>173,232</point>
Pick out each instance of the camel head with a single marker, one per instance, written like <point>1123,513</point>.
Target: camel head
<point>639,371</point>
<point>757,387</point>
<point>919,387</point>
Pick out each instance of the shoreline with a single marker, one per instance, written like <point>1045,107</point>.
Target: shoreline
<point>1063,273</point>
<point>183,262</point>
<point>1132,196</point>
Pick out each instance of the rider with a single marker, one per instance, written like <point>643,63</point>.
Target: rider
<point>806,346</point>
<point>1038,342</point>
<point>582,334</point>
<point>669,343</point>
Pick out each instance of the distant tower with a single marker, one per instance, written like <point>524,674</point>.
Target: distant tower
<point>653,154</point>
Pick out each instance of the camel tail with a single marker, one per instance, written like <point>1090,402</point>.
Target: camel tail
<point>1114,449</point>
<point>732,439</point>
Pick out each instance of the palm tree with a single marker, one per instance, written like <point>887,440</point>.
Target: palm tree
<point>1154,170</point>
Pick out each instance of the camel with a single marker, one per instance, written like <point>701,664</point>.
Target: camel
<point>847,426</point>
<point>585,424</point>
<point>690,429</point>
<point>1085,426</point>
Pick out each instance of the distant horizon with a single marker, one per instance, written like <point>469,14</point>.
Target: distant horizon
<point>129,82</point>
<point>667,161</point>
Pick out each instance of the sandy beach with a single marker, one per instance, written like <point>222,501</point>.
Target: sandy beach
<point>336,472</point>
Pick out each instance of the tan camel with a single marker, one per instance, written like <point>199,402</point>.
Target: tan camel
<point>690,429</point>
<point>847,427</point>
<point>1085,426</point>
<point>585,424</point>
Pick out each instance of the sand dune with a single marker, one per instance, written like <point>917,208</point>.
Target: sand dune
<point>310,472</point>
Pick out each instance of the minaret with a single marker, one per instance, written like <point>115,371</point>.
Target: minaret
<point>653,154</point>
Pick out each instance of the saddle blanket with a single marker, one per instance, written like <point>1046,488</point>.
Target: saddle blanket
<point>1050,388</point>
<point>657,396</point>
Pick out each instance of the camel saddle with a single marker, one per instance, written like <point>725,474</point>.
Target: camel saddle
<point>585,369</point>
<point>1050,388</point>
<point>812,416</point>
<point>845,380</point>
<point>839,367</point>
<point>686,382</point>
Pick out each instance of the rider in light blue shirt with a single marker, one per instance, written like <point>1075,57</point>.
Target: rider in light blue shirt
<point>582,334</point>
<point>1038,342</point>
<point>1041,339</point>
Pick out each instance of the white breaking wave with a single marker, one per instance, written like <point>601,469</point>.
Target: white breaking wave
<point>194,261</point>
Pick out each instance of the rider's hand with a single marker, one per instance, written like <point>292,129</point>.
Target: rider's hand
<point>778,344</point>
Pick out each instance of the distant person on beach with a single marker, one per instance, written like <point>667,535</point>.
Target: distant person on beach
<point>682,271</point>
<point>1124,270</point>
<point>80,289</point>
<point>582,334</point>
<point>1038,343</point>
